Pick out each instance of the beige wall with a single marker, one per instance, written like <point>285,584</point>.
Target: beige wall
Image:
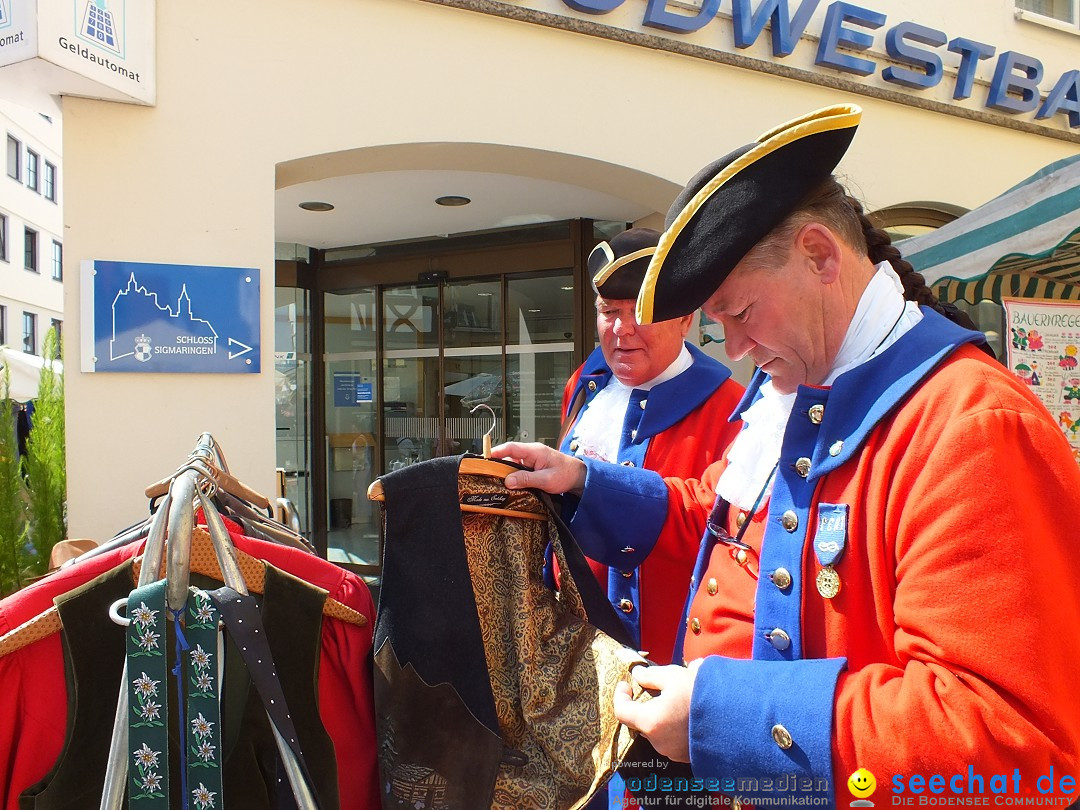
<point>244,86</point>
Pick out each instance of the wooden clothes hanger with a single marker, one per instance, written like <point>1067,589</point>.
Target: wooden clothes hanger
<point>203,561</point>
<point>220,478</point>
<point>473,465</point>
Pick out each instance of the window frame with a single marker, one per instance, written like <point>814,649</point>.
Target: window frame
<point>30,335</point>
<point>3,324</point>
<point>30,249</point>
<point>1072,24</point>
<point>4,237</point>
<point>50,182</point>
<point>17,161</point>
<point>33,170</point>
<point>57,261</point>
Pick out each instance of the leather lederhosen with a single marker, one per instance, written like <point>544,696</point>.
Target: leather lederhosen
<point>94,656</point>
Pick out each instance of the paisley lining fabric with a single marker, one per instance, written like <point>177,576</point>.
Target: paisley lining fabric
<point>553,675</point>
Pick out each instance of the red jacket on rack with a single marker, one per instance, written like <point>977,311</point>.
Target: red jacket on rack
<point>34,699</point>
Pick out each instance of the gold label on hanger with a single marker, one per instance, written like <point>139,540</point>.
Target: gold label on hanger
<point>828,582</point>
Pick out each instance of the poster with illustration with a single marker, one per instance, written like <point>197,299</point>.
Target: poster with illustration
<point>1043,350</point>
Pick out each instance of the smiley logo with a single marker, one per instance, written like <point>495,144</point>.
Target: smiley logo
<point>862,783</point>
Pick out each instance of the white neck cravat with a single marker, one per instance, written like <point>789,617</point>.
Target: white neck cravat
<point>881,317</point>
<point>599,429</point>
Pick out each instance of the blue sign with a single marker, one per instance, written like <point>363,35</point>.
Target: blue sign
<point>351,390</point>
<point>175,318</point>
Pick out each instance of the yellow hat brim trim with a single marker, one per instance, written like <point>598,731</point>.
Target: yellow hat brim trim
<point>622,261</point>
<point>840,116</point>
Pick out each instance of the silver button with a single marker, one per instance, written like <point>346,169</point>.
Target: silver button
<point>643,403</point>
<point>781,578</point>
<point>740,519</point>
<point>817,413</point>
<point>574,446</point>
<point>628,550</point>
<point>802,467</point>
<point>628,464</point>
<point>782,737</point>
<point>627,574</point>
<point>633,433</point>
<point>836,448</point>
<point>779,639</point>
<point>626,606</point>
<point>592,385</point>
<point>789,520</point>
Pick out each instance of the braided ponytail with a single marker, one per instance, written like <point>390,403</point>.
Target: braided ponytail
<point>879,248</point>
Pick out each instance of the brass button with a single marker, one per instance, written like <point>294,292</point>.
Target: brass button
<point>627,574</point>
<point>710,586</point>
<point>643,403</point>
<point>633,433</point>
<point>782,737</point>
<point>695,626</point>
<point>802,467</point>
<point>741,556</point>
<point>789,520</point>
<point>574,446</point>
<point>781,578</point>
<point>817,413</point>
<point>626,606</point>
<point>628,464</point>
<point>836,448</point>
<point>740,519</point>
<point>779,639</point>
<point>592,385</point>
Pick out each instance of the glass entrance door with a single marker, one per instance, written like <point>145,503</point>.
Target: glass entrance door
<point>414,372</point>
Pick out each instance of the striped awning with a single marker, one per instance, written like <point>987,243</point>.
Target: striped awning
<point>1031,229</point>
<point>996,285</point>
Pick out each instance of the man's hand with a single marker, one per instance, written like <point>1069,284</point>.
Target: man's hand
<point>665,719</point>
<point>553,471</point>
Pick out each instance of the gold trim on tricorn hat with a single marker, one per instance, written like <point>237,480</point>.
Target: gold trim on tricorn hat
<point>734,202</point>
<point>618,267</point>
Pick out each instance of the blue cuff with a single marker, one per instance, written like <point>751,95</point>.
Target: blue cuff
<point>743,711</point>
<point>620,515</point>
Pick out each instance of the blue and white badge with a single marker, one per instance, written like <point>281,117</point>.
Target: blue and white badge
<point>830,540</point>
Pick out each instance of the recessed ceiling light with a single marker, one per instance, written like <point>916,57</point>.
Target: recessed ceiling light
<point>566,288</point>
<point>485,295</point>
<point>452,200</point>
<point>534,310</point>
<point>314,205</point>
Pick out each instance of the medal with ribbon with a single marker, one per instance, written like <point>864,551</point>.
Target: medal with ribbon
<point>830,542</point>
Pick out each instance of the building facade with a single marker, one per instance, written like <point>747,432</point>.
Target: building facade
<point>31,226</point>
<point>416,184</point>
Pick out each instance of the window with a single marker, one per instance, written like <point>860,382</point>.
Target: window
<point>57,261</point>
<point>32,162</point>
<point>3,239</point>
<point>14,158</point>
<point>29,332</point>
<point>1061,10</point>
<point>3,325</point>
<point>58,327</point>
<point>50,182</point>
<point>30,249</point>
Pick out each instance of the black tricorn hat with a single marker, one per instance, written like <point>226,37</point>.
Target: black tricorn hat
<point>618,267</point>
<point>734,202</point>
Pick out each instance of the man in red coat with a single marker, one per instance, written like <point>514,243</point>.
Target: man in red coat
<point>646,398</point>
<point>885,598</point>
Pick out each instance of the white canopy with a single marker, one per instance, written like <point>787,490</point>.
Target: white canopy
<point>24,372</point>
<point>1032,230</point>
